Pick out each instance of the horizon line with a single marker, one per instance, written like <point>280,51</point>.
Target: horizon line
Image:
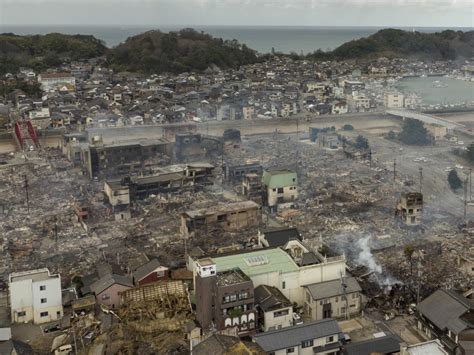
<point>227,25</point>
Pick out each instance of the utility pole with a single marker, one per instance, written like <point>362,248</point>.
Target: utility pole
<point>470,184</point>
<point>465,198</point>
<point>421,179</point>
<point>394,169</point>
<point>27,196</point>
<point>297,141</point>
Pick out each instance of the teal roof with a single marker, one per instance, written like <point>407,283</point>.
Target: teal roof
<point>279,178</point>
<point>264,260</point>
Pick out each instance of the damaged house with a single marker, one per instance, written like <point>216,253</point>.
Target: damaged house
<point>410,208</point>
<point>229,217</point>
<point>280,187</point>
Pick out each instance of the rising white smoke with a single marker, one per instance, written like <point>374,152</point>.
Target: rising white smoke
<point>366,258</point>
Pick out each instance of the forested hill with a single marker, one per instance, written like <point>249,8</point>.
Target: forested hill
<point>43,51</point>
<point>393,43</point>
<point>186,50</point>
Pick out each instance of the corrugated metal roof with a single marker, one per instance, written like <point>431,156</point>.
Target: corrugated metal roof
<point>294,336</point>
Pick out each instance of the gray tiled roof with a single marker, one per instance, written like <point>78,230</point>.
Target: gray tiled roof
<point>280,236</point>
<point>108,280</point>
<point>385,345</point>
<point>444,308</point>
<point>270,298</point>
<point>333,288</point>
<point>293,336</point>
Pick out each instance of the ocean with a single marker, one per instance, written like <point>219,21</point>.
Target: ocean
<point>284,39</point>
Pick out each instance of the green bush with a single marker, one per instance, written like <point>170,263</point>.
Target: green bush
<point>454,180</point>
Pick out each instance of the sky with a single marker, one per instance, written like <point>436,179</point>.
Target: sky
<point>380,13</point>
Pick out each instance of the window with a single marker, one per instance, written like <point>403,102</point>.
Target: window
<point>233,298</point>
<point>307,343</point>
<point>44,300</point>
<point>21,314</point>
<point>290,350</point>
<point>105,296</point>
<point>337,299</point>
<point>280,313</point>
<point>42,287</point>
<point>283,285</point>
<point>280,190</point>
<point>274,190</point>
<point>330,339</point>
<point>243,295</point>
<point>43,314</point>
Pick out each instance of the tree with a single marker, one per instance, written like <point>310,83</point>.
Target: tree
<point>414,132</point>
<point>348,127</point>
<point>391,135</point>
<point>454,180</point>
<point>361,143</point>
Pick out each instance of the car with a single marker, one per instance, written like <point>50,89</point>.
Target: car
<point>297,319</point>
<point>51,328</point>
<point>458,166</point>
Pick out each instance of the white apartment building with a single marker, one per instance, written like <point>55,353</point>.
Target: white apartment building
<point>35,295</point>
<point>393,100</point>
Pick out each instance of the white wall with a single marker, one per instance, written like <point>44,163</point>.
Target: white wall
<point>25,296</point>
<point>272,322</point>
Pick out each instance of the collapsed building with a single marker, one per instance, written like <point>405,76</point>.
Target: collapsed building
<point>121,192</point>
<point>188,147</point>
<point>228,217</point>
<point>252,188</point>
<point>231,138</point>
<point>410,208</point>
<point>101,159</point>
<point>236,173</point>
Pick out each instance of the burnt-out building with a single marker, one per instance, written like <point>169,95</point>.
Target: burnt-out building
<point>171,130</point>
<point>410,208</point>
<point>167,179</point>
<point>231,138</point>
<point>226,217</point>
<point>252,188</point>
<point>236,173</point>
<point>124,158</point>
<point>188,147</point>
<point>224,299</point>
